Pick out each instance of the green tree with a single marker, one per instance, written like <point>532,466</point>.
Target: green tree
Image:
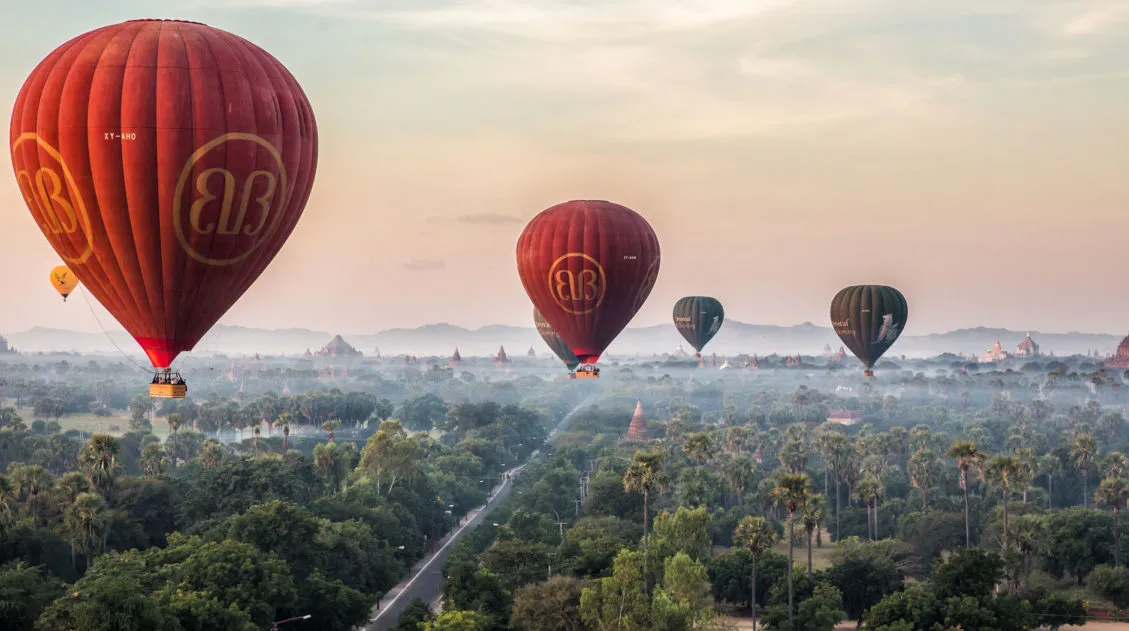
<point>1113,492</point>
<point>619,601</point>
<point>967,456</point>
<point>643,475</point>
<point>87,523</point>
<point>553,605</point>
<point>1083,451</point>
<point>99,461</point>
<point>792,492</point>
<point>455,620</point>
<point>755,535</point>
<point>25,592</point>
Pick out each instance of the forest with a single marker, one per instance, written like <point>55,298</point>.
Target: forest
<point>940,495</point>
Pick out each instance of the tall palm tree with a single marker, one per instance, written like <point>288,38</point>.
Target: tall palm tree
<point>175,421</point>
<point>99,460</point>
<point>792,492</point>
<point>1115,465</point>
<point>756,535</point>
<point>867,491</point>
<point>87,522</point>
<point>813,517</point>
<point>33,483</point>
<point>153,460</point>
<point>1001,473</point>
<point>741,473</point>
<point>967,455</point>
<point>1050,465</point>
<point>7,503</point>
<point>1029,534</point>
<point>924,470</point>
<point>1083,452</point>
<point>839,450</point>
<point>1113,492</point>
<point>643,475</point>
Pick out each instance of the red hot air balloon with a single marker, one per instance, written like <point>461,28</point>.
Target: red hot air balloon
<point>588,266</point>
<point>166,162</point>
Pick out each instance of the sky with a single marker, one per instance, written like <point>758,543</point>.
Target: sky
<point>972,153</point>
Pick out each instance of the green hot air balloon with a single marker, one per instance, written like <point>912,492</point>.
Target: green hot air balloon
<point>869,318</point>
<point>556,344</point>
<point>698,319</point>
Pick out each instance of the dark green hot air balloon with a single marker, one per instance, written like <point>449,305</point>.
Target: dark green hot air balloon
<point>869,318</point>
<point>698,319</point>
<point>556,344</point>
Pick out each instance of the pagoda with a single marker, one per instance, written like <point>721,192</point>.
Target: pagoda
<point>531,353</point>
<point>338,347</point>
<point>456,358</point>
<point>502,358</point>
<point>637,430</point>
<point>1027,348</point>
<point>751,363</point>
<point>1121,357</point>
<point>994,354</point>
<point>838,357</point>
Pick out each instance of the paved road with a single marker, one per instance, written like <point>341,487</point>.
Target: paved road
<point>426,580</point>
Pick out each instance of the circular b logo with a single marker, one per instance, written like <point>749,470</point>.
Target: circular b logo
<point>577,283</point>
<point>52,196</point>
<point>241,208</point>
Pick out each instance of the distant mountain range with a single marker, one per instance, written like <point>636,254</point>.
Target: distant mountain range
<point>441,339</point>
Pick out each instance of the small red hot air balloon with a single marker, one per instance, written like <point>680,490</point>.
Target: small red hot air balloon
<point>588,266</point>
<point>166,162</point>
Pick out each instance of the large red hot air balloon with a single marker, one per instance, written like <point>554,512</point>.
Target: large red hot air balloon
<point>588,266</point>
<point>166,162</point>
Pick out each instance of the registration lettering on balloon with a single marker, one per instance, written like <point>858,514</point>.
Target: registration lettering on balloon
<point>242,206</point>
<point>577,283</point>
<point>53,196</point>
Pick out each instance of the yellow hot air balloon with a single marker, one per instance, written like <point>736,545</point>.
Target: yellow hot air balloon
<point>63,280</point>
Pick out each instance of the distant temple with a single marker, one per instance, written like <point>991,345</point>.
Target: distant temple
<point>531,353</point>
<point>751,363</point>
<point>844,417</point>
<point>4,348</point>
<point>338,347</point>
<point>502,358</point>
<point>839,356</point>
<point>793,362</point>
<point>637,430</point>
<point>680,352</point>
<point>1121,357</point>
<point>826,350</point>
<point>456,358</point>
<point>1027,348</point>
<point>724,364</point>
<point>994,354</point>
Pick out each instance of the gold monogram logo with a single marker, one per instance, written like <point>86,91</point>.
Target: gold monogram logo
<point>247,205</point>
<point>577,293</point>
<point>54,199</point>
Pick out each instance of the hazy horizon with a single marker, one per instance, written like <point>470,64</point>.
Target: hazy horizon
<point>978,146</point>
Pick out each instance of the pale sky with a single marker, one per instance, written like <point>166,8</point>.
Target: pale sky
<point>973,153</point>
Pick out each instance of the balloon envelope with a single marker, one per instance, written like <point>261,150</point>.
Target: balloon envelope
<point>554,341</point>
<point>698,319</point>
<point>869,318</point>
<point>588,266</point>
<point>63,280</point>
<point>166,162</point>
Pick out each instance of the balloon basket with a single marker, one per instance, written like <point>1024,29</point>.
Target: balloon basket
<point>167,391</point>
<point>587,375</point>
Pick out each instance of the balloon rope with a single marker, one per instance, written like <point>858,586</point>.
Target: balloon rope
<point>108,336</point>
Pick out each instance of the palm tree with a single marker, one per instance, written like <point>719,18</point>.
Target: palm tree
<point>32,480</point>
<point>1001,473</point>
<point>1049,464</point>
<point>924,470</point>
<point>867,491</point>
<point>967,455</point>
<point>1113,492</point>
<point>153,460</point>
<point>839,451</point>
<point>756,535</point>
<point>1083,452</point>
<point>87,521</point>
<point>644,474</point>
<point>1115,465</point>
<point>792,491</point>
<point>330,427</point>
<point>742,474</point>
<point>99,460</point>
<point>1030,539</point>
<point>700,448</point>
<point>7,500</point>
<point>175,420</point>
<point>813,517</point>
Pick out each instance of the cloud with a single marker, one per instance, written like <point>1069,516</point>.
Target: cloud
<point>487,218</point>
<point>425,265</point>
<point>1096,20</point>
